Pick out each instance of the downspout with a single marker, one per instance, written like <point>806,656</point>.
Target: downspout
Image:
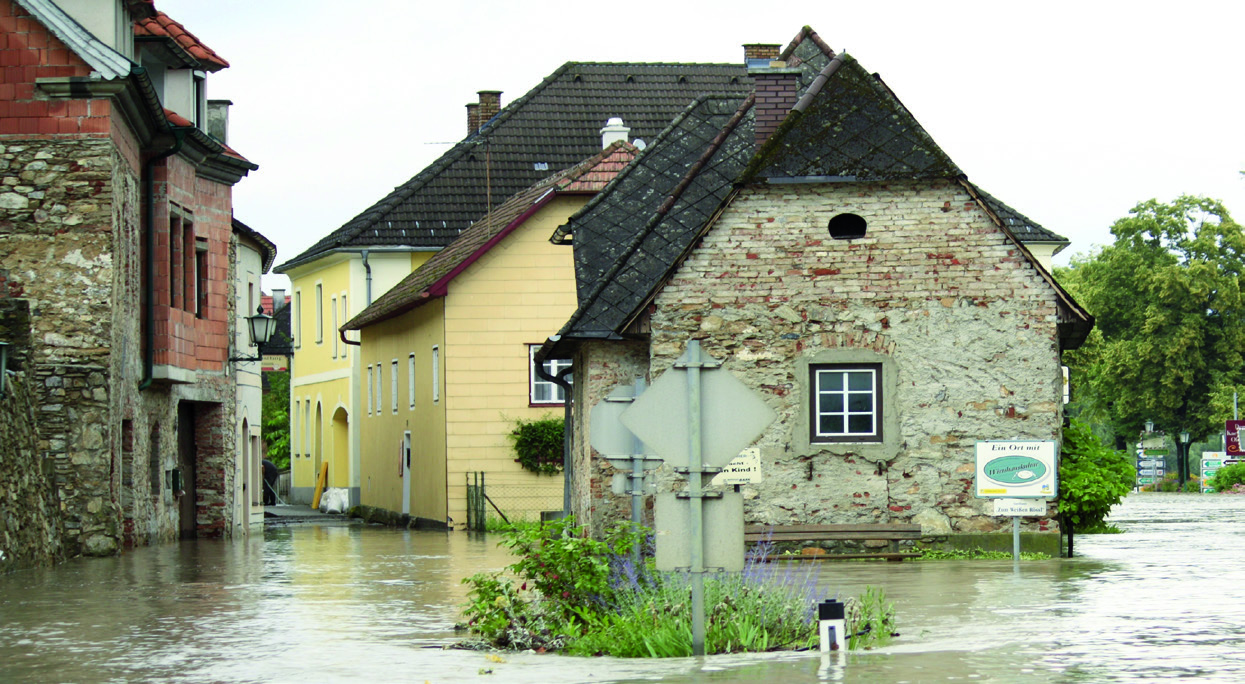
<point>149,259</point>
<point>568,470</point>
<point>368,269</point>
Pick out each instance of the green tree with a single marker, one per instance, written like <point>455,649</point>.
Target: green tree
<point>1092,479</point>
<point>276,417</point>
<point>1169,330</point>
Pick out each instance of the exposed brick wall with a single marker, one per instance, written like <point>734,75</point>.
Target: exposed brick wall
<point>29,51</point>
<point>599,369</point>
<point>934,286</point>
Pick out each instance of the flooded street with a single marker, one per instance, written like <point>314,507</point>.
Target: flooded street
<point>366,604</point>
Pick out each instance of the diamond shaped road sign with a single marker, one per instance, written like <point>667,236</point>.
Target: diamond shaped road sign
<point>732,417</point>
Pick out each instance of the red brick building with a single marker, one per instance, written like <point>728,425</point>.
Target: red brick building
<point>115,214</point>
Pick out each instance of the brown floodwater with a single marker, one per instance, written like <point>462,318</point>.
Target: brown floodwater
<point>1164,600</point>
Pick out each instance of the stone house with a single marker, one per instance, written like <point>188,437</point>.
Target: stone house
<point>253,257</point>
<point>817,241</point>
<point>506,150</point>
<point>115,215</point>
<point>447,354</point>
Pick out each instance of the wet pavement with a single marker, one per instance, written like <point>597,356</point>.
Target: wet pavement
<point>331,602</point>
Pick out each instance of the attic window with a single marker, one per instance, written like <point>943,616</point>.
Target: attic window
<point>847,227</point>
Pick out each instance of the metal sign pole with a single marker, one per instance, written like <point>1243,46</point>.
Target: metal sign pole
<point>637,483</point>
<point>697,503</point>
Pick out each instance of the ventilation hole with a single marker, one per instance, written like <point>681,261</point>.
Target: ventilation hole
<point>682,80</point>
<point>578,78</point>
<point>734,80</point>
<point>847,227</point>
<point>629,79</point>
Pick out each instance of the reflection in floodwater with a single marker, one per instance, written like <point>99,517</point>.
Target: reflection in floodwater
<point>353,603</point>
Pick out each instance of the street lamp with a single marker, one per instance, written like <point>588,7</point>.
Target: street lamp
<point>1149,427</point>
<point>1183,466</point>
<point>260,326</point>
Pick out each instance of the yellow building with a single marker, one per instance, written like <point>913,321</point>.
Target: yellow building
<point>325,370</point>
<point>446,357</point>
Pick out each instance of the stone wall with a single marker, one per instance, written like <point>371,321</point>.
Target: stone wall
<point>962,325</point>
<point>30,529</point>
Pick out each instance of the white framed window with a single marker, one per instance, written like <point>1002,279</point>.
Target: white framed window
<point>369,389</point>
<point>298,319</point>
<point>410,379</point>
<point>393,383</point>
<point>380,389</point>
<point>436,374</point>
<point>344,318</point>
<point>319,313</point>
<point>847,403</point>
<point>541,391</point>
<point>295,438</point>
<point>333,307</point>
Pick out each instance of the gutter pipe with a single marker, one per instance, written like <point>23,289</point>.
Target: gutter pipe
<point>568,470</point>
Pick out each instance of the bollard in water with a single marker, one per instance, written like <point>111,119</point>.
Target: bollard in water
<point>831,618</point>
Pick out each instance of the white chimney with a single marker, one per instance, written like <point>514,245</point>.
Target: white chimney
<point>613,132</point>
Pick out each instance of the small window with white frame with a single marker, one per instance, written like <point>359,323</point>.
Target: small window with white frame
<point>847,403</point>
<point>541,391</point>
<point>410,379</point>
<point>436,374</point>
<point>369,389</point>
<point>393,383</point>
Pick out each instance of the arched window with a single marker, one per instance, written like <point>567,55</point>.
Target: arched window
<point>847,227</point>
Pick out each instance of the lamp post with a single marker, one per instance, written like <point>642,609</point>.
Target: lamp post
<point>260,327</point>
<point>1183,465</point>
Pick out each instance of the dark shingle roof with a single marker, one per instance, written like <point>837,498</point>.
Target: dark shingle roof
<point>625,242</point>
<point>854,128</point>
<point>1024,228</point>
<point>557,123</point>
<point>431,279</point>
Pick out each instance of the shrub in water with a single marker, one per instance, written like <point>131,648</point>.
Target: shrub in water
<point>1229,477</point>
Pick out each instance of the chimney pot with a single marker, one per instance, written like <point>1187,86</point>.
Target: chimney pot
<point>614,131</point>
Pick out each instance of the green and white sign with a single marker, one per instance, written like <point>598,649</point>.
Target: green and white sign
<point>1016,470</point>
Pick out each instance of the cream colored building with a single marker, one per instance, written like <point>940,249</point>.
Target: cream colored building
<point>446,357</point>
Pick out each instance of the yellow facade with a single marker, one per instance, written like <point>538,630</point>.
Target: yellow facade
<point>325,371</point>
<point>513,296</point>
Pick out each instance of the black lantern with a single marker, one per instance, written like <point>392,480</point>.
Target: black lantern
<point>260,326</point>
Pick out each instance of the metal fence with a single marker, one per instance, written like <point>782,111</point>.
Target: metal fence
<point>492,502</point>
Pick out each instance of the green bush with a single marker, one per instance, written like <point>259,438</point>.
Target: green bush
<point>538,444</point>
<point>1228,476</point>
<point>1092,478</point>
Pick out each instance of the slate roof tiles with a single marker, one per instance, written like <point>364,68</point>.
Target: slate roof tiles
<point>556,124</point>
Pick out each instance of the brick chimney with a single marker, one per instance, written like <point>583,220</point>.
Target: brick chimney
<point>760,51</point>
<point>479,113</point>
<point>777,91</point>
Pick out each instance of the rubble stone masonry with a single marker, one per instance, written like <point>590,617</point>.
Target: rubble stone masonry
<point>962,323</point>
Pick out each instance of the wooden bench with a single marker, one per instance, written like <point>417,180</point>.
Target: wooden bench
<point>892,532</point>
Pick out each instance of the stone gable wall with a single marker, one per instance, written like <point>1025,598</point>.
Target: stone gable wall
<point>964,324</point>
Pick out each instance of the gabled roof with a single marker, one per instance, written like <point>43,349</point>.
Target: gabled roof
<point>99,55</point>
<point>847,127</point>
<point>432,279</point>
<point>267,250</point>
<point>552,127</point>
<point>161,25</point>
<point>851,128</point>
<point>1024,228</point>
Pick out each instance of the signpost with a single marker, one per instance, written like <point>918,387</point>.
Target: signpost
<point>698,419</point>
<point>1017,475</point>
<point>1232,431</point>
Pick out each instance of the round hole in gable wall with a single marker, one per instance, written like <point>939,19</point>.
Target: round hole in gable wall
<point>847,227</point>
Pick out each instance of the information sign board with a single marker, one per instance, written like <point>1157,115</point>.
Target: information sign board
<point>744,469</point>
<point>1232,430</point>
<point>1016,470</point>
<point>1020,507</point>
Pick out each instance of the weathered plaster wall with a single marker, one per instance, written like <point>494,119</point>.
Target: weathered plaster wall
<point>963,323</point>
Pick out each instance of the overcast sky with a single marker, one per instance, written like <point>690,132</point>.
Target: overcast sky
<point>1071,112</point>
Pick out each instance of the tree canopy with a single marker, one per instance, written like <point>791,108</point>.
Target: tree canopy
<point>1170,319</point>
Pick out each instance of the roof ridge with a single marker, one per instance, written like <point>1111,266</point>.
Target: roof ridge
<point>559,233</point>
<point>656,218</point>
<point>806,32</point>
<point>413,184</point>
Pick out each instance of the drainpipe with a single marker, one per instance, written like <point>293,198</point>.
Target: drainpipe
<point>149,259</point>
<point>368,269</point>
<point>568,470</point>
